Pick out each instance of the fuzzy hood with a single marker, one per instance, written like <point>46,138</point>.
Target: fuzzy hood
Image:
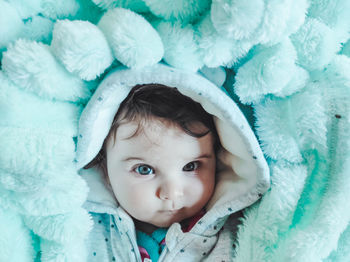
<point>244,174</point>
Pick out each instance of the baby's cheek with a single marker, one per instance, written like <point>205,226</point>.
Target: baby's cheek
<point>201,190</point>
<point>139,199</point>
<point>194,191</point>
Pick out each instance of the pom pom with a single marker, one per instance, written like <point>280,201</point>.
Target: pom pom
<point>82,48</point>
<point>63,193</point>
<point>217,50</point>
<point>235,18</point>
<point>25,8</point>
<point>134,42</point>
<point>31,66</point>
<point>59,9</point>
<point>35,112</point>
<point>278,139</point>
<point>333,13</point>
<point>315,44</point>
<point>62,228</point>
<point>298,81</point>
<point>10,24</point>
<point>138,6</point>
<point>38,156</point>
<point>281,18</point>
<point>53,251</point>
<point>268,72</point>
<point>15,239</point>
<point>184,11</point>
<point>180,48</point>
<point>337,72</point>
<point>296,17</point>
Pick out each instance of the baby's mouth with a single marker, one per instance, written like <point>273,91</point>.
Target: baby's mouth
<point>170,210</point>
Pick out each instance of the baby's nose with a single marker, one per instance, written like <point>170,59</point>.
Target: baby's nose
<point>170,190</point>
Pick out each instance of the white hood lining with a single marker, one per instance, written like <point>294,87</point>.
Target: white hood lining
<point>246,175</point>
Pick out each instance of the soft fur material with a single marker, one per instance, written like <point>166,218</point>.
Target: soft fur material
<point>59,9</point>
<point>82,48</point>
<point>15,237</point>
<point>9,16</point>
<point>316,44</point>
<point>266,72</point>
<point>215,49</point>
<point>177,40</point>
<point>32,66</point>
<point>236,19</point>
<point>290,63</point>
<point>133,40</point>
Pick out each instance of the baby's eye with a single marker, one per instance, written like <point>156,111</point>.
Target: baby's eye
<point>144,170</point>
<point>191,166</point>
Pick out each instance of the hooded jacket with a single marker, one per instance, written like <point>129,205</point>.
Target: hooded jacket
<point>241,181</point>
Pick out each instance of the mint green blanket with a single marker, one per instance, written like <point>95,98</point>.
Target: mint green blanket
<point>287,63</point>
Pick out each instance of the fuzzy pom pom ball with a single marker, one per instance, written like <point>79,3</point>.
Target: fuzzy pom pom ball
<point>133,40</point>
<point>180,48</point>
<point>268,72</point>
<point>59,9</point>
<point>62,228</point>
<point>82,48</point>
<point>217,50</point>
<point>315,44</point>
<point>16,242</point>
<point>32,66</point>
<point>236,18</point>
<point>10,23</point>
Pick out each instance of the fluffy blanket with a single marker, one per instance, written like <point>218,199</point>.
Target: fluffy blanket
<point>287,63</point>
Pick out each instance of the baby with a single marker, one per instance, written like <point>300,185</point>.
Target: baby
<point>173,186</point>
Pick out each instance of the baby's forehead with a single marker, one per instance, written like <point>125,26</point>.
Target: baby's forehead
<point>152,127</point>
<point>154,131</point>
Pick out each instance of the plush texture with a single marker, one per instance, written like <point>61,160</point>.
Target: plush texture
<point>32,66</point>
<point>287,61</point>
<point>133,40</point>
<point>82,48</point>
<point>316,44</point>
<point>177,40</point>
<point>9,16</point>
<point>236,19</point>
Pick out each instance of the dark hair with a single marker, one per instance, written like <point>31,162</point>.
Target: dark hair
<point>147,101</point>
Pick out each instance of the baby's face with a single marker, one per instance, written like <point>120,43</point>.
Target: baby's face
<point>162,175</point>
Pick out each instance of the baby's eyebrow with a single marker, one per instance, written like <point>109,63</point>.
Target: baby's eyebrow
<point>141,159</point>
<point>204,156</point>
<point>132,158</point>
